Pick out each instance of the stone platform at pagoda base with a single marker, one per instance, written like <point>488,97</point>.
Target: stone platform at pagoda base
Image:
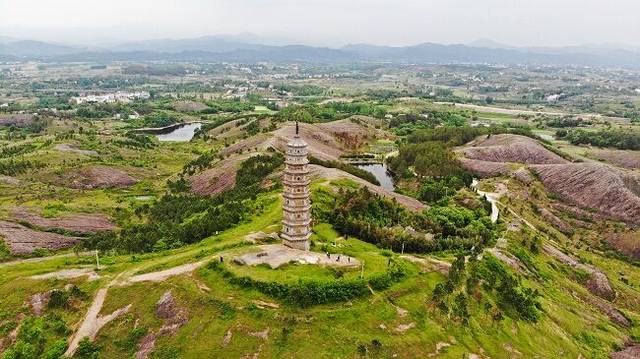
<point>275,255</point>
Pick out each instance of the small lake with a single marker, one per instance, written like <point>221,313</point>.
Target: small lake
<point>181,133</point>
<point>379,171</point>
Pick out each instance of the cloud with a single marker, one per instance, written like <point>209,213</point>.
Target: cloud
<point>336,22</point>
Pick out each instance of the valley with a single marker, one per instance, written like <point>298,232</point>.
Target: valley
<point>504,226</point>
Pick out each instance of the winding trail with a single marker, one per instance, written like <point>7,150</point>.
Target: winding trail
<point>492,197</point>
<point>93,321</point>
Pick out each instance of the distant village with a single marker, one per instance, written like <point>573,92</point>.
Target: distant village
<point>119,96</point>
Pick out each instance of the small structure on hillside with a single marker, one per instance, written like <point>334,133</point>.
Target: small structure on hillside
<point>296,219</point>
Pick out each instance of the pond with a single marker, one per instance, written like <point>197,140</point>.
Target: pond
<point>180,133</point>
<point>379,171</point>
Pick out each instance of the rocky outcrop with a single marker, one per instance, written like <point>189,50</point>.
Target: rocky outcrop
<point>598,282</point>
<point>174,318</point>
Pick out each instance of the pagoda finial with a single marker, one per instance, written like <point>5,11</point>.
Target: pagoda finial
<point>296,128</point>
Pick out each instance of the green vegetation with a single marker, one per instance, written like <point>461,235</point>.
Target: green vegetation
<point>311,113</point>
<point>135,140</point>
<point>227,106</point>
<point>385,223</point>
<point>182,218</point>
<point>308,293</point>
<point>492,286</point>
<point>12,167</point>
<point>461,286</point>
<point>428,159</point>
<point>617,138</point>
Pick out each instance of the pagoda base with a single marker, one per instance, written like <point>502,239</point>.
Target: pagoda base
<point>297,243</point>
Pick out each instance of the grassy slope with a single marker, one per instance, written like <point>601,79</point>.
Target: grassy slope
<point>569,326</point>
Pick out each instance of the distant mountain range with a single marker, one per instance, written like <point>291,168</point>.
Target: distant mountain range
<point>246,48</point>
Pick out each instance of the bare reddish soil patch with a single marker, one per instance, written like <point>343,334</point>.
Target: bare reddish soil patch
<point>96,177</point>
<point>630,352</point>
<point>626,242</point>
<point>595,186</point>
<point>626,159</point>
<point>327,141</point>
<point>23,240</point>
<point>79,222</point>
<point>19,120</point>
<point>598,283</point>
<point>486,168</point>
<point>10,181</point>
<point>559,224</point>
<point>510,148</point>
<point>220,178</point>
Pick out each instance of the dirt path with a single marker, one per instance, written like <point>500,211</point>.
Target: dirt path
<point>429,263</point>
<point>42,259</point>
<point>89,323</point>
<point>164,274</point>
<point>93,322</point>
<point>69,273</point>
<point>492,197</point>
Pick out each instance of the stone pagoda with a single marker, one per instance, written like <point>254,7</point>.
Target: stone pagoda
<point>296,219</point>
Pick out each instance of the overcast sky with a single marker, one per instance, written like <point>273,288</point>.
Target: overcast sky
<point>329,22</point>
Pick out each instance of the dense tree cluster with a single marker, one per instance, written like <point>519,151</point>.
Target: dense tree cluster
<point>220,106</point>
<point>331,111</point>
<point>490,283</point>
<point>300,90</point>
<point>158,119</point>
<point>136,141</point>
<point>427,159</point>
<point>435,189</point>
<point>377,220</point>
<point>616,138</point>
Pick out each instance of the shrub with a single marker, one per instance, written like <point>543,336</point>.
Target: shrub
<point>87,350</point>
<point>309,293</point>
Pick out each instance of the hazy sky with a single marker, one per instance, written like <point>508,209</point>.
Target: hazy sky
<point>329,22</point>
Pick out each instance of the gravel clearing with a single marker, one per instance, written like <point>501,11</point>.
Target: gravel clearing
<point>276,255</point>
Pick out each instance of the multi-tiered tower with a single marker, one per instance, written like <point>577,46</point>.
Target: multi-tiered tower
<point>296,221</point>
